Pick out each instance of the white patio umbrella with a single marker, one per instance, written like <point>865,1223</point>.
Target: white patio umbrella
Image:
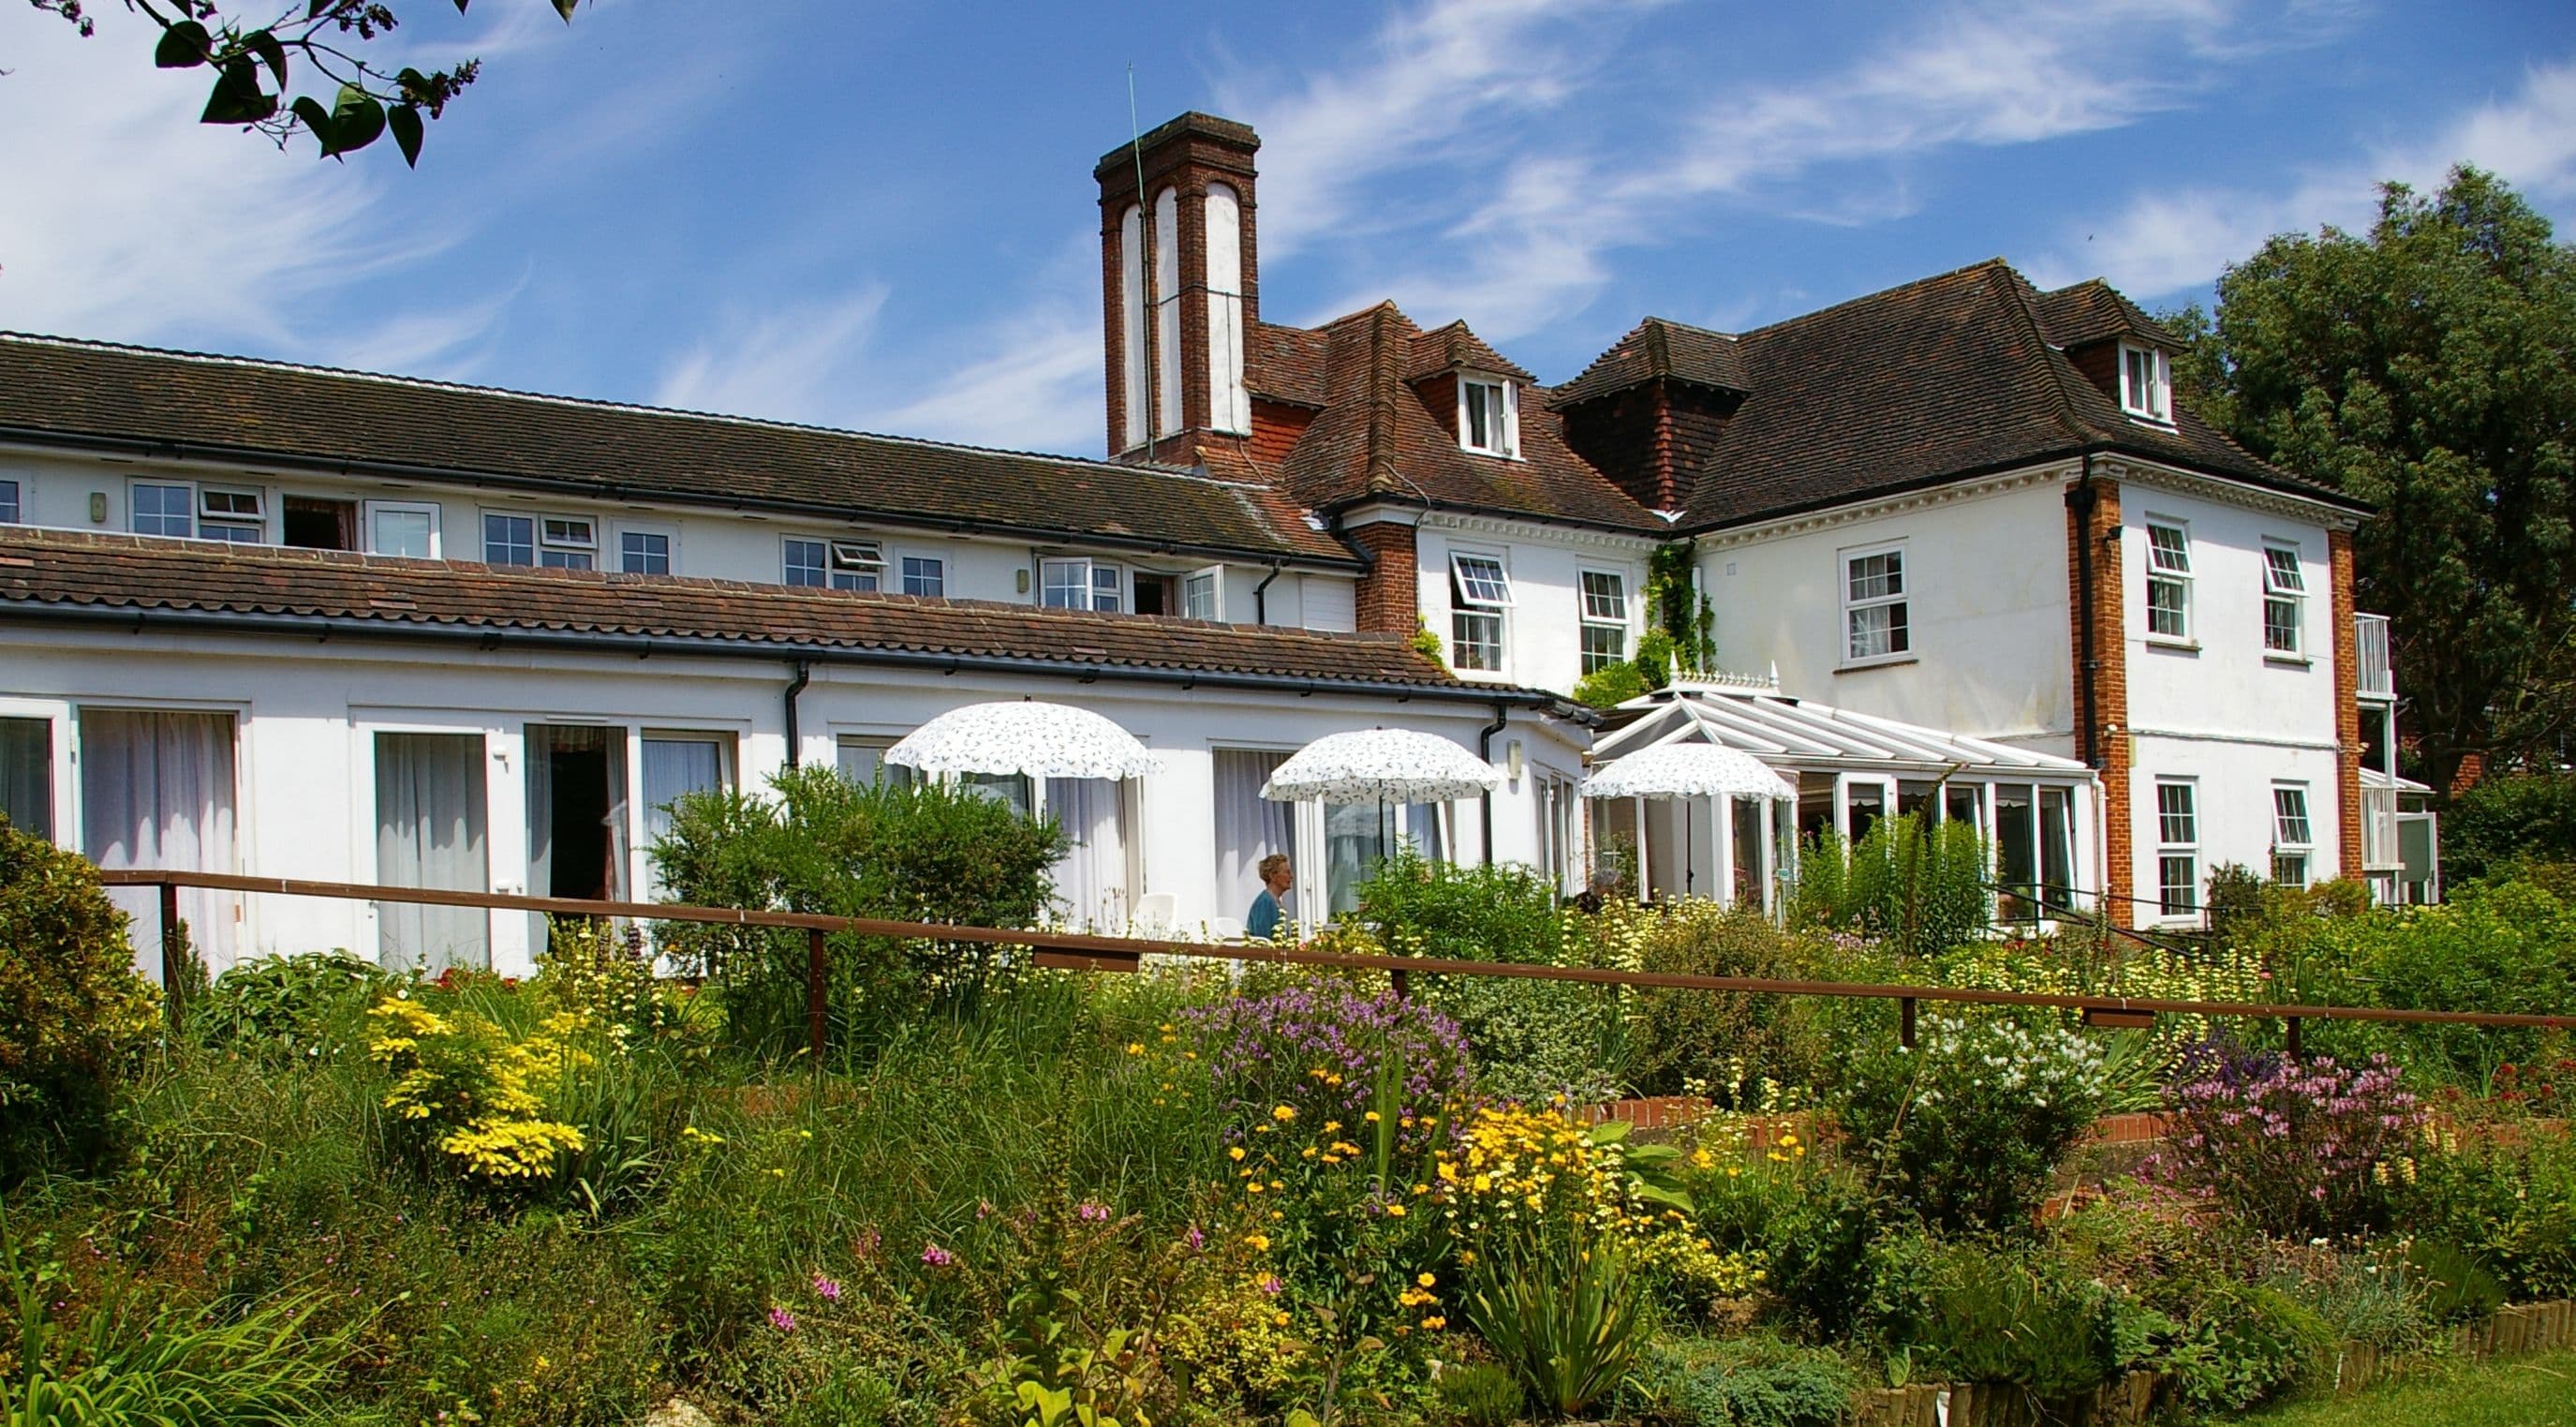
<point>1685,770</point>
<point>1041,740</point>
<point>1394,765</point>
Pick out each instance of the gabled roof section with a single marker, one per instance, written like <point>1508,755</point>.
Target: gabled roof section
<point>2094,311</point>
<point>1786,733</point>
<point>75,392</point>
<point>1454,348</point>
<point>1658,348</point>
<point>1938,380</point>
<point>358,595</point>
<point>1375,440</point>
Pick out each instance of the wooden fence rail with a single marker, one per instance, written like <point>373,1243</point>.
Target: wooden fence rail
<point>1085,952</point>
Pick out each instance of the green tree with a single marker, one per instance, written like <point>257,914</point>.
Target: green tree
<point>2427,366</point>
<point>318,41</point>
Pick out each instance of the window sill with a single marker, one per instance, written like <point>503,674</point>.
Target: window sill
<point>2287,661</point>
<point>1881,662</point>
<point>2164,424</point>
<point>2172,645</point>
<point>1481,676</point>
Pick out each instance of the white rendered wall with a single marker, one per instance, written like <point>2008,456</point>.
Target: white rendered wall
<point>1542,630</point>
<point>307,715</point>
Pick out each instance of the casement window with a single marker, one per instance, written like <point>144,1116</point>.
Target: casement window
<point>2177,849</point>
<point>2146,383</point>
<point>1489,416</point>
<point>567,542</point>
<point>237,515</point>
<point>1605,619</point>
<point>926,576</point>
<point>1875,624</point>
<point>1081,584</point>
<point>644,552</point>
<point>158,509</point>
<point>677,764</point>
<point>2168,581</point>
<point>2285,599</point>
<point>2292,838</point>
<point>509,539</point>
<point>402,528</point>
<point>838,564</point>
<point>1479,592</point>
<point>11,512</point>
<point>861,761</point>
<point>1203,594</point>
<point>27,775</point>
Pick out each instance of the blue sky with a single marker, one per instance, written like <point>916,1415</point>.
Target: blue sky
<point>882,216</point>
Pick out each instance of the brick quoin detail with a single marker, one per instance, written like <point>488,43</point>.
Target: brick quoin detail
<point>2109,721</point>
<point>1389,593</point>
<point>2347,687</point>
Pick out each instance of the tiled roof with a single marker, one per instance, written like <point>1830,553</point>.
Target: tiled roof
<point>1285,363</point>
<point>1375,439</point>
<point>2094,311</point>
<point>84,390</point>
<point>1933,381</point>
<point>1659,348</point>
<point>1454,348</point>
<point>57,569</point>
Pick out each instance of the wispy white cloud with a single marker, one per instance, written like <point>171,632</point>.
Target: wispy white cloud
<point>2168,242</point>
<point>790,366</point>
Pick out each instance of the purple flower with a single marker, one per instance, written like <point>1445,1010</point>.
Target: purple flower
<point>827,1289</point>
<point>936,1257</point>
<point>1194,1239</point>
<point>1271,1285</point>
<point>782,1320</point>
<point>1092,1212</point>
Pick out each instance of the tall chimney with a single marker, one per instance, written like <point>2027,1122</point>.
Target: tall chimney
<point>1180,287</point>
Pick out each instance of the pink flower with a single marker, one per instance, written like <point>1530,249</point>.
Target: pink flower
<point>1194,1239</point>
<point>1091,1212</point>
<point>1271,1285</point>
<point>829,1290</point>
<point>936,1257</point>
<point>782,1320</point>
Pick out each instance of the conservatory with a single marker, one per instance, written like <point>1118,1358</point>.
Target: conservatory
<point>1842,772</point>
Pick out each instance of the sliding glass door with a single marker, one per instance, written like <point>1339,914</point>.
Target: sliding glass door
<point>430,832</point>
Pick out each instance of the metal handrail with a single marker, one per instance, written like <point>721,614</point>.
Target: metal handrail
<point>1086,951</point>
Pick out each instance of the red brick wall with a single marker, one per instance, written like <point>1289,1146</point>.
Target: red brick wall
<point>1388,595</point>
<point>1186,162</point>
<point>1651,440</point>
<point>2347,682</point>
<point>2107,712</point>
<point>2099,362</point>
<point>1275,429</point>
<point>1440,396</point>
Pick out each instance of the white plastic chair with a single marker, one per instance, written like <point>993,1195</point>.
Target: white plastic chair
<point>1225,928</point>
<point>1154,914</point>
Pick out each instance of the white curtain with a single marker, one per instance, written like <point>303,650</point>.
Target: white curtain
<point>673,767</point>
<point>1357,837</point>
<point>27,775</point>
<point>1091,881</point>
<point>1425,830</point>
<point>1249,827</point>
<point>157,791</point>
<point>545,742</point>
<point>430,833</point>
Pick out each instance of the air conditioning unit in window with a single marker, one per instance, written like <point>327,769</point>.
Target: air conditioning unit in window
<point>858,556</point>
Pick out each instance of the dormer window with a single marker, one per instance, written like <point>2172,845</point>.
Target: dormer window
<point>1489,416</point>
<point>2146,383</point>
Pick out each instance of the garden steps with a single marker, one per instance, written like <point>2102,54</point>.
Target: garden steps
<point>2137,1397</point>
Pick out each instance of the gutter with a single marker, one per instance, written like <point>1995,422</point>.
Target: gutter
<point>2081,501</point>
<point>795,686</point>
<point>325,629</point>
<point>1261,592</point>
<point>613,491</point>
<point>1485,751</point>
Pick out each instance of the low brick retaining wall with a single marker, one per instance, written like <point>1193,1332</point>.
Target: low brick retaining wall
<point>2137,1397</point>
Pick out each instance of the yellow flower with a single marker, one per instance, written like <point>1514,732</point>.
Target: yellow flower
<point>1279,1320</point>
<point>1371,1117</point>
<point>1252,1186</point>
<point>1435,1323</point>
<point>1424,1279</point>
<point>1236,1152</point>
<point>1283,1113</point>
<point>1135,1047</point>
<point>1395,1211</point>
<point>1260,1242</point>
<point>1331,1125</point>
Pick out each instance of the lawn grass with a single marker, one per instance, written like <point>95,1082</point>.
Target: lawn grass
<point>2519,1392</point>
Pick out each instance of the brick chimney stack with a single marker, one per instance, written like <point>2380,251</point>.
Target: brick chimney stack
<point>1180,288</point>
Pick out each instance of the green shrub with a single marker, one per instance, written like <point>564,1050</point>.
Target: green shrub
<point>2526,817</point>
<point>287,1008</point>
<point>1724,1046</point>
<point>924,852</point>
<point>1966,1129</point>
<point>74,1016</point>
<point>1811,1224</point>
<point>1922,889</point>
<point>2245,1344</point>
<point>1978,1314</point>
<point>1480,1395</point>
<point>1610,686</point>
<point>1760,1381</point>
<point>2363,1297</point>
<point>1567,1319</point>
<point>2506,947</point>
<point>2456,1287</point>
<point>2508,1194</point>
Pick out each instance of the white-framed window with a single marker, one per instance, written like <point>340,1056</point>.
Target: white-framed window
<point>2292,837</point>
<point>861,760</point>
<point>2177,848</point>
<point>1203,594</point>
<point>234,513</point>
<point>644,552</point>
<point>567,542</point>
<point>1479,592</point>
<point>2285,599</point>
<point>1489,416</point>
<point>2168,580</point>
<point>12,509</point>
<point>676,763</point>
<point>1081,584</point>
<point>1875,599</point>
<point>926,576</point>
<point>2146,383</point>
<point>1605,619</point>
<point>405,528</point>
<point>161,508</point>
<point>509,539</point>
<point>839,564</point>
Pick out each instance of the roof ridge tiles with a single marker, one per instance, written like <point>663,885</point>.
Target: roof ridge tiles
<point>1885,292</point>
<point>600,404</point>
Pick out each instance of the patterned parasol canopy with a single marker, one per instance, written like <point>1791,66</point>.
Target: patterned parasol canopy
<point>1395,765</point>
<point>1041,740</point>
<point>1689,770</point>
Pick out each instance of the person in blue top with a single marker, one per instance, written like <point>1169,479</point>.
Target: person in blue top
<point>1276,878</point>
